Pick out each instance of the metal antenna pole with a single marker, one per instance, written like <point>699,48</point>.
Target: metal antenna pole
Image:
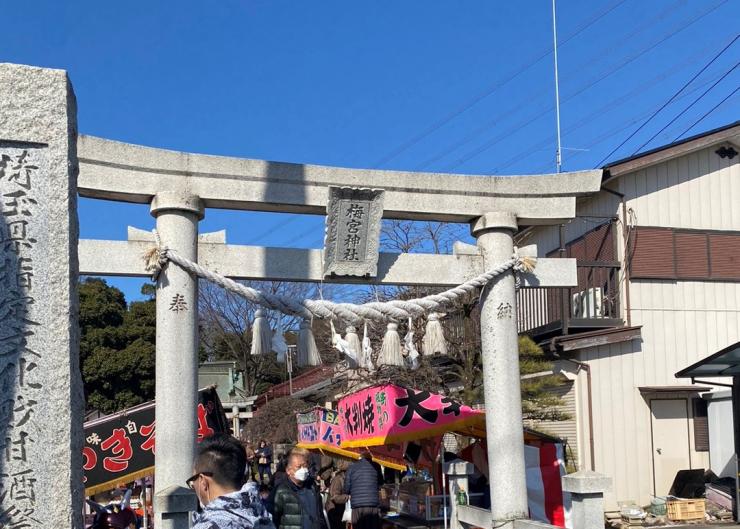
<point>558,153</point>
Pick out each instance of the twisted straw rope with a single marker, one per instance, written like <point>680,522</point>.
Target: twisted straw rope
<point>395,310</point>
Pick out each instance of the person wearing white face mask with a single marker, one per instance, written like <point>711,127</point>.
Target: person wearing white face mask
<point>297,503</point>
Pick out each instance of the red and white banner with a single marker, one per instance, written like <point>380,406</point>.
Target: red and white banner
<point>545,466</point>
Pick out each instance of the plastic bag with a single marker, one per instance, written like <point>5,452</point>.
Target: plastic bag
<point>347,516</point>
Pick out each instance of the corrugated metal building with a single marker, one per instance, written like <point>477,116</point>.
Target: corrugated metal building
<point>659,288</point>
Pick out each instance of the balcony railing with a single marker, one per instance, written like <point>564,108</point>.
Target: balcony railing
<point>593,304</point>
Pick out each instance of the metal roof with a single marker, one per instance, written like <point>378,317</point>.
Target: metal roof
<point>670,145</point>
<point>724,363</point>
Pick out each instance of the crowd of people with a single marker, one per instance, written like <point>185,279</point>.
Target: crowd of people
<point>237,490</point>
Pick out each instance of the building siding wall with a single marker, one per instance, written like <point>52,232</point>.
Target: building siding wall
<point>567,429</point>
<point>682,321</point>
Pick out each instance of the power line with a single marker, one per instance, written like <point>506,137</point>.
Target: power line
<point>715,107</point>
<point>597,57</point>
<point>669,100</point>
<point>483,95</point>
<point>695,101</point>
<point>624,125</point>
<point>604,109</point>
<point>484,147</point>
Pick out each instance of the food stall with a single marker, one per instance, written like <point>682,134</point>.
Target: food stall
<point>320,430</point>
<point>409,424</point>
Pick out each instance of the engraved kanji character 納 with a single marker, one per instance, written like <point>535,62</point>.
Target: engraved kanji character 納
<point>355,211</point>
<point>413,404</point>
<point>504,310</point>
<point>120,445</point>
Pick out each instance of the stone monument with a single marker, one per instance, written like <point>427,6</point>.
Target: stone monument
<point>41,389</point>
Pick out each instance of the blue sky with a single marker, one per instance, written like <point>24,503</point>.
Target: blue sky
<point>417,85</point>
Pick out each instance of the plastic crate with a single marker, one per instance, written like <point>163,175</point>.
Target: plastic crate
<point>686,509</point>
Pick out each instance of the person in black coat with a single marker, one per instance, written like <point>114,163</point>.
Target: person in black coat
<point>264,461</point>
<point>362,483</point>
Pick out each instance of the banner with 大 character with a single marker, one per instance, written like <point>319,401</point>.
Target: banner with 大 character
<point>320,429</point>
<point>120,447</point>
<point>387,414</point>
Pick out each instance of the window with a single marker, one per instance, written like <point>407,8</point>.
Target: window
<point>701,425</point>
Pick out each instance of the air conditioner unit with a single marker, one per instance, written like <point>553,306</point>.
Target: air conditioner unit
<point>587,303</point>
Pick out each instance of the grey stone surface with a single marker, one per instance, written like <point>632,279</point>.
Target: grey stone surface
<point>586,481</point>
<point>133,173</point>
<point>41,432</point>
<point>175,499</point>
<point>353,217</point>
<point>177,217</point>
<point>500,359</point>
<point>173,505</point>
<point>587,496</point>
<point>292,264</point>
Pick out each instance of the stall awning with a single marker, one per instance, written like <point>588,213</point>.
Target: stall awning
<point>387,414</point>
<point>724,363</point>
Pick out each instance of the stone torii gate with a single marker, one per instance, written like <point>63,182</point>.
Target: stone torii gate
<point>38,117</point>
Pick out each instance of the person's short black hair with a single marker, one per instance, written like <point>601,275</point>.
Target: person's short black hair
<point>223,456</point>
<point>263,488</point>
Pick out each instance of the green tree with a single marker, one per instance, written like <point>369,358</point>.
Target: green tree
<point>117,347</point>
<point>538,402</point>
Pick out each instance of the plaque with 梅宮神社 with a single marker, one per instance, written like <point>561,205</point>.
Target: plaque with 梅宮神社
<point>353,231</point>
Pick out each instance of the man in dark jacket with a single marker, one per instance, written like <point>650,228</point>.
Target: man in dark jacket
<point>296,502</point>
<point>362,483</point>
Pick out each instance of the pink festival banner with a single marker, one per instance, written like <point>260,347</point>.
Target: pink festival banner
<point>388,414</point>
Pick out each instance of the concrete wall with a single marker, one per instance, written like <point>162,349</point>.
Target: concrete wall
<point>682,321</point>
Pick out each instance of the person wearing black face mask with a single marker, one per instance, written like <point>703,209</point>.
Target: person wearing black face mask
<point>297,503</point>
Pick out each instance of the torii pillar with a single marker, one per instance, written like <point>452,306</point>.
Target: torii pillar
<point>177,217</point>
<point>501,384</point>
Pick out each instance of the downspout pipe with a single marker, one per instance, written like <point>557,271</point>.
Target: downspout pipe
<point>625,265</point>
<point>589,398</point>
